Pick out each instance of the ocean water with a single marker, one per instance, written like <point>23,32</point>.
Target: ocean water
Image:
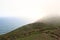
<point>8,24</point>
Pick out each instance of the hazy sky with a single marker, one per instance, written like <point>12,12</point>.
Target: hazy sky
<point>30,9</point>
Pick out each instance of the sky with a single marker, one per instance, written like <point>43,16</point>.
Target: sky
<point>29,9</point>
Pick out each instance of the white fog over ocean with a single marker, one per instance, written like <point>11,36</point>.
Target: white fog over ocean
<point>16,13</point>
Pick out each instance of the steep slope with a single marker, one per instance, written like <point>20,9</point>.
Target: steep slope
<point>34,31</point>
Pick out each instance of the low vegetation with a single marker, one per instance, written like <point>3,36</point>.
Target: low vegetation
<point>34,31</point>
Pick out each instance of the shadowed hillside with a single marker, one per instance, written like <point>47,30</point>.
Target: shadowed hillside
<point>34,31</point>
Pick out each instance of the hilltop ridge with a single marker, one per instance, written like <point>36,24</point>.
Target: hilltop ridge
<point>34,31</point>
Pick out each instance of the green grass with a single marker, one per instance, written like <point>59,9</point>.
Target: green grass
<point>37,37</point>
<point>34,31</point>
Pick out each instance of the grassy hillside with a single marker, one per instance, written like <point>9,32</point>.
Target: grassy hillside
<point>34,31</point>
